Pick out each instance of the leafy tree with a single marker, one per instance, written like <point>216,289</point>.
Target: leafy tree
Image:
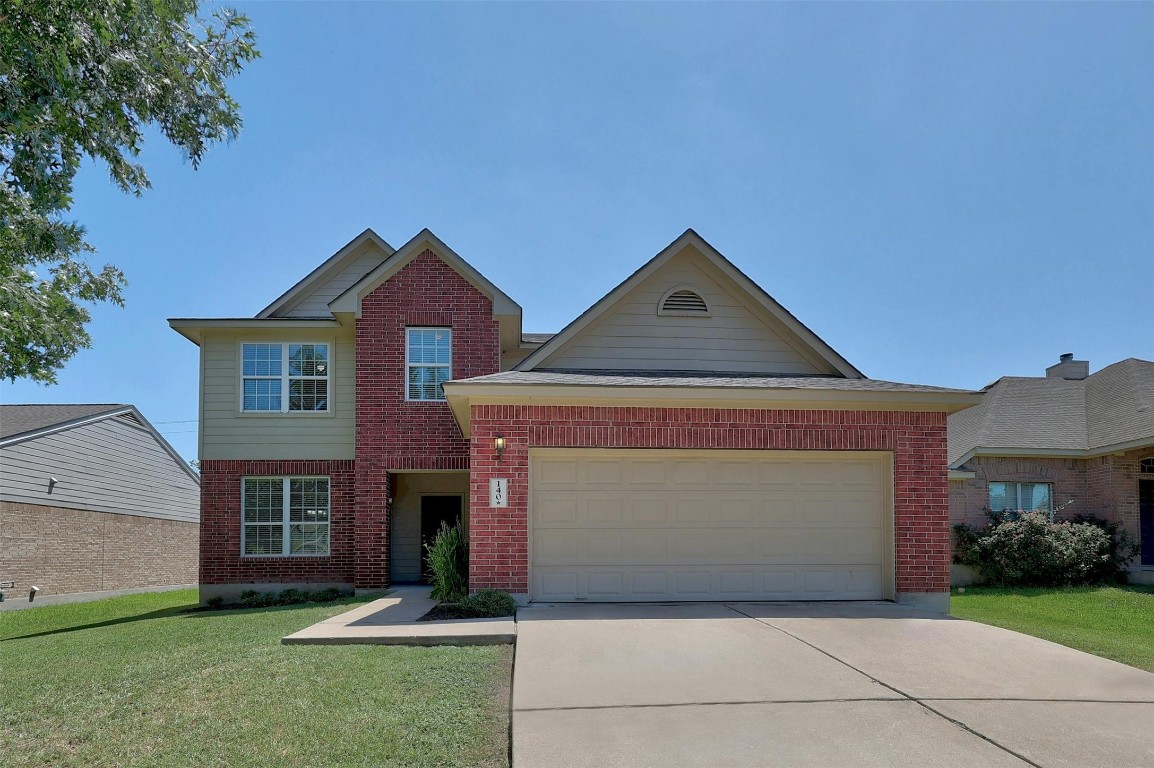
<point>83,78</point>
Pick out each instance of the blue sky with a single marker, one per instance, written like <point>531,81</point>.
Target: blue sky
<point>946,193</point>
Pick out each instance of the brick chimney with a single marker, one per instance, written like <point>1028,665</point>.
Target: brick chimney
<point>1069,368</point>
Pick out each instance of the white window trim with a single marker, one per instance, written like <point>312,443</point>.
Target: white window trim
<point>285,523</point>
<point>409,365</point>
<point>1018,494</point>
<point>284,378</point>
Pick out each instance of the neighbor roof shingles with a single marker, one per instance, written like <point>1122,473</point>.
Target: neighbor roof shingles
<point>1112,406</point>
<point>18,419</point>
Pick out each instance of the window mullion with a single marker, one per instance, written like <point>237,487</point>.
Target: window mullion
<point>285,506</point>
<point>286,395</point>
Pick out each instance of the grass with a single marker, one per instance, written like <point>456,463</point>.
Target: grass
<point>136,681</point>
<point>1113,622</point>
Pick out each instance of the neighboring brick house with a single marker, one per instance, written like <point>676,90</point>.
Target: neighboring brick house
<point>1068,443</point>
<point>686,438</point>
<point>93,502</point>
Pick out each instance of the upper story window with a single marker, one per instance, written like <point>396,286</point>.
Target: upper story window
<point>279,378</point>
<point>1021,497</point>
<point>1146,465</point>
<point>428,360</point>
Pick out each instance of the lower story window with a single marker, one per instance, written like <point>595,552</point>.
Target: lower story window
<point>285,516</point>
<point>1021,497</point>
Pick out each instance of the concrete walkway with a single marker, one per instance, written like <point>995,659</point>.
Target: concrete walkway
<point>392,620</point>
<point>813,684</point>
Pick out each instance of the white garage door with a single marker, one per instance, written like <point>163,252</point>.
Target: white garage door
<point>611,525</point>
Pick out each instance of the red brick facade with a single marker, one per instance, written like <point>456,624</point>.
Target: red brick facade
<point>499,537</point>
<point>395,434</point>
<point>1106,486</point>
<point>220,523</point>
<point>66,551</point>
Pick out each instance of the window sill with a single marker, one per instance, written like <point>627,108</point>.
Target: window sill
<point>286,557</point>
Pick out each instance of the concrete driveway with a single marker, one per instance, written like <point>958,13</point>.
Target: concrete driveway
<point>813,684</point>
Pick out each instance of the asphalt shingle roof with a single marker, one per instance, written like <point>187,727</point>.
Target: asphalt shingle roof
<point>683,379</point>
<point>1114,405</point>
<point>18,419</point>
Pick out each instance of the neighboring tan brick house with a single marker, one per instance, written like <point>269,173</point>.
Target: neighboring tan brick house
<point>1066,443</point>
<point>686,438</point>
<point>93,501</point>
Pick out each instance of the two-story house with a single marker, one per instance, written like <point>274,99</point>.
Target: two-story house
<point>686,438</point>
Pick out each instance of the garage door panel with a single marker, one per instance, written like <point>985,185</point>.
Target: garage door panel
<point>680,525</point>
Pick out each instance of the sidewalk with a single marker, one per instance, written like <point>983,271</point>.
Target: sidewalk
<point>392,620</point>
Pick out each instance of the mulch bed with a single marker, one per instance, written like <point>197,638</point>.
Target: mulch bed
<point>446,611</point>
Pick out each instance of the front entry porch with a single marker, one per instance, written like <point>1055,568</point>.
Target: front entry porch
<point>421,501</point>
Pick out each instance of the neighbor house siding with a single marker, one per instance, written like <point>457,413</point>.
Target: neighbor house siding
<point>393,434</point>
<point>112,465</point>
<point>220,540</point>
<point>736,337</point>
<point>229,434</point>
<point>499,555</point>
<point>66,551</point>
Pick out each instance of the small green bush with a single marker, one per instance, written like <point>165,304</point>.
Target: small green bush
<point>1123,548</point>
<point>215,603</point>
<point>489,603</point>
<point>293,597</point>
<point>327,595</point>
<point>449,563</point>
<point>1032,551</point>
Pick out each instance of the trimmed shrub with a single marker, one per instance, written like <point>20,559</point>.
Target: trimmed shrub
<point>214,603</point>
<point>1032,551</point>
<point>449,563</point>
<point>1123,548</point>
<point>489,603</point>
<point>327,595</point>
<point>293,597</point>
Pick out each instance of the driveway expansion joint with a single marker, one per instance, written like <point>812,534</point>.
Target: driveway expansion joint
<point>884,699</point>
<point>919,702</point>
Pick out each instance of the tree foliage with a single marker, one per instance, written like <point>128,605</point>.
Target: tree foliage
<point>80,79</point>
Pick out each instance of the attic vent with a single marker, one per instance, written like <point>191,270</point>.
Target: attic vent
<point>683,301</point>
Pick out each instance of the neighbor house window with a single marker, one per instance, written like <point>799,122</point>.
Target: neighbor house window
<point>285,516</point>
<point>428,353</point>
<point>1024,497</point>
<point>280,378</point>
<point>1146,466</point>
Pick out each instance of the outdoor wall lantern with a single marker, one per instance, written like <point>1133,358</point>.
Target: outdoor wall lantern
<point>499,445</point>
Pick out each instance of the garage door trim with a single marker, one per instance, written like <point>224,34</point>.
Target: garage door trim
<point>885,459</point>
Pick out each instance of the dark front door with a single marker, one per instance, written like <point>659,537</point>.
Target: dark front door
<point>435,511</point>
<point>1146,519</point>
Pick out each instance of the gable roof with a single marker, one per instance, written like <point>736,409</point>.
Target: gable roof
<point>16,420</point>
<point>349,300</point>
<point>1031,415</point>
<point>691,239</point>
<point>23,422</point>
<point>331,266</point>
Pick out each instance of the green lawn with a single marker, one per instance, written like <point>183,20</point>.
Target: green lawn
<point>135,681</point>
<point>1114,622</point>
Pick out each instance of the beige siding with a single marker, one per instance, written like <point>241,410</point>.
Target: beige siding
<point>316,302</point>
<point>226,433</point>
<point>112,465</point>
<point>736,337</point>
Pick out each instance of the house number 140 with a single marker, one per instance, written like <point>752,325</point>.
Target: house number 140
<point>499,492</point>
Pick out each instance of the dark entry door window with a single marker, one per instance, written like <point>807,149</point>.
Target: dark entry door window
<point>1146,517</point>
<point>435,511</point>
